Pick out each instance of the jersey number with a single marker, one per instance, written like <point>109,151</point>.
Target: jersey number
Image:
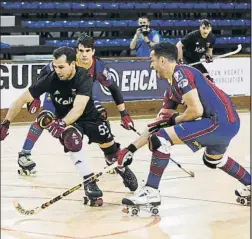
<point>103,129</point>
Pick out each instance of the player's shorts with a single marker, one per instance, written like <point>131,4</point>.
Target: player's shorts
<point>208,133</point>
<point>199,67</point>
<point>47,104</point>
<point>97,131</point>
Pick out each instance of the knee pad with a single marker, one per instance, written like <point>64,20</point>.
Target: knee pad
<point>72,139</point>
<point>157,142</point>
<point>110,153</point>
<point>214,163</point>
<point>45,118</point>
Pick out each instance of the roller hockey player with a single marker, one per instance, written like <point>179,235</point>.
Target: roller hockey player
<point>197,44</point>
<point>217,123</point>
<point>84,58</point>
<point>70,88</point>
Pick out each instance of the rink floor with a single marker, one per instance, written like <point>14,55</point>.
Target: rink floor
<point>203,207</point>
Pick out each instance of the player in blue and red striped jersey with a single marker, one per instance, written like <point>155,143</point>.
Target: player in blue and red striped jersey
<point>84,58</point>
<point>209,121</point>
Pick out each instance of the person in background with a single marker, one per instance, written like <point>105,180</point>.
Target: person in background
<point>144,38</point>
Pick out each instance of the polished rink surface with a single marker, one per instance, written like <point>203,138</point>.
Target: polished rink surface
<point>203,207</point>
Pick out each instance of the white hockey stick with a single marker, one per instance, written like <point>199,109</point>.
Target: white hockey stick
<point>36,210</point>
<point>239,47</point>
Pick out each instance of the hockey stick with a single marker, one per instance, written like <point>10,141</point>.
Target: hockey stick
<point>45,205</point>
<point>179,165</point>
<point>239,47</point>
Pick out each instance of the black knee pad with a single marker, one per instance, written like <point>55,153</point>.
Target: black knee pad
<point>211,163</point>
<point>154,142</point>
<point>110,153</point>
<point>45,118</point>
<point>72,139</point>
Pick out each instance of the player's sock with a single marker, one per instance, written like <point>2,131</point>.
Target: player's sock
<point>34,133</point>
<point>235,170</point>
<point>80,162</point>
<point>159,162</point>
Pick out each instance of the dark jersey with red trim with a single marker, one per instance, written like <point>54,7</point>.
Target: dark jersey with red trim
<point>195,46</point>
<point>214,101</point>
<point>64,92</point>
<point>99,73</point>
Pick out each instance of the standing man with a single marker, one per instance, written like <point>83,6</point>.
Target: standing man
<point>209,121</point>
<point>195,45</point>
<point>144,38</point>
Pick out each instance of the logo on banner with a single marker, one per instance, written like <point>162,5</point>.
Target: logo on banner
<point>113,75</point>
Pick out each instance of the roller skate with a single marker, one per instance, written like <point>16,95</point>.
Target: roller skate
<point>244,196</point>
<point>129,178</point>
<point>26,165</point>
<point>147,197</point>
<point>92,192</point>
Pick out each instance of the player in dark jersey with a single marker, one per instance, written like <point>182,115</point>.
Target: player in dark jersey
<point>85,58</point>
<point>209,121</point>
<point>70,88</point>
<point>197,44</point>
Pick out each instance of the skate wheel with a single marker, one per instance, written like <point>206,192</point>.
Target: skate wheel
<point>243,201</point>
<point>85,200</point>
<point>238,200</point>
<point>27,172</point>
<point>99,202</point>
<point>154,211</point>
<point>20,171</point>
<point>125,210</point>
<point>134,211</point>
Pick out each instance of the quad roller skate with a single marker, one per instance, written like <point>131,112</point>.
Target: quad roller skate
<point>26,165</point>
<point>147,197</point>
<point>243,196</point>
<point>93,193</point>
<point>129,178</point>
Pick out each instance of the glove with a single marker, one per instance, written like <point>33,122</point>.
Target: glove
<point>208,58</point>
<point>181,61</point>
<point>57,127</point>
<point>4,126</point>
<point>125,156</point>
<point>103,112</point>
<point>126,120</point>
<point>166,120</point>
<point>34,106</point>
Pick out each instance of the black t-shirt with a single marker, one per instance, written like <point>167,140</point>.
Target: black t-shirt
<point>63,92</point>
<point>195,46</point>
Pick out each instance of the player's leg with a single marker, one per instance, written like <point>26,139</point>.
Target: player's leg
<point>100,132</point>
<point>110,151</point>
<point>72,142</point>
<point>216,157</point>
<point>24,156</point>
<point>159,143</point>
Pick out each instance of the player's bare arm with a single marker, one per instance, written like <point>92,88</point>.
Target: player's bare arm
<point>18,104</point>
<point>79,106</point>
<point>180,50</point>
<point>194,108</point>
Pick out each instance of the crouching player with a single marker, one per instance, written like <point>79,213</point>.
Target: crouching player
<point>70,88</point>
<point>209,120</point>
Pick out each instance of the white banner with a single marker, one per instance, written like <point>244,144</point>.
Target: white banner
<point>15,79</point>
<point>232,75</point>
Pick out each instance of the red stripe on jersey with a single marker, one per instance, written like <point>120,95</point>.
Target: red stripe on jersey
<point>189,76</point>
<point>225,101</point>
<point>200,133</point>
